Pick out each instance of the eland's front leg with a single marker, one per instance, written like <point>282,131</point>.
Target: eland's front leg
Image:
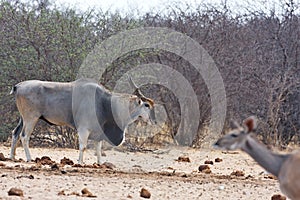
<point>98,151</point>
<point>83,138</point>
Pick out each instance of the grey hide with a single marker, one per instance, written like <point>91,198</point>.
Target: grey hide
<point>96,113</point>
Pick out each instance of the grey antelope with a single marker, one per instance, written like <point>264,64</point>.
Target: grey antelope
<point>95,112</point>
<point>284,166</point>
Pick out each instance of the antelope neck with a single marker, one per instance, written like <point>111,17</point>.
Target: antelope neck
<point>270,161</point>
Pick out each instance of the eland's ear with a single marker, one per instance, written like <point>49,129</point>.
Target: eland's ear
<point>250,124</point>
<point>140,102</point>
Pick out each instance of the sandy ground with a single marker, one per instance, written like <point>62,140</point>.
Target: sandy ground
<point>159,172</point>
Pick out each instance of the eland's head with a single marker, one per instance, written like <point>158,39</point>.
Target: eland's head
<point>144,106</point>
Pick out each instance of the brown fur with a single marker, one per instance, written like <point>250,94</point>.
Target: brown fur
<point>289,177</point>
<point>285,166</point>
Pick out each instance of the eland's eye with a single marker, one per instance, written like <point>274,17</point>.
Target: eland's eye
<point>234,135</point>
<point>147,105</point>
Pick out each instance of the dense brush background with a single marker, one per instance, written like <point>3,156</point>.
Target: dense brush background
<point>257,53</point>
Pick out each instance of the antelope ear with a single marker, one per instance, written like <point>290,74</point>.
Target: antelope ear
<point>140,102</point>
<point>250,124</point>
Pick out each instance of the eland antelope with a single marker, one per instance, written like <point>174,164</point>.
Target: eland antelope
<point>95,112</point>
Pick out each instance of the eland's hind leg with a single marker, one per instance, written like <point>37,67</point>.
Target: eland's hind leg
<point>25,136</point>
<point>16,138</point>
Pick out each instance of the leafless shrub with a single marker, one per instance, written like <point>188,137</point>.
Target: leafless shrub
<point>256,52</point>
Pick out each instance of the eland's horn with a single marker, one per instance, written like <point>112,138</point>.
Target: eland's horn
<point>132,84</point>
<point>137,91</point>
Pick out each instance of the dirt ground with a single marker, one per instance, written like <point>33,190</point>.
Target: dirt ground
<point>160,172</point>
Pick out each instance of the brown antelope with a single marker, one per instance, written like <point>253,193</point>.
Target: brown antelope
<point>284,166</point>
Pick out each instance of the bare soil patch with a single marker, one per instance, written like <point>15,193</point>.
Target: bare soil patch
<point>55,175</point>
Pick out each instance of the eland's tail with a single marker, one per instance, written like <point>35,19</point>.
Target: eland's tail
<point>13,90</point>
<point>16,132</point>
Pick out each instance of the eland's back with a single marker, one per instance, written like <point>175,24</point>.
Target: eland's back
<point>50,101</point>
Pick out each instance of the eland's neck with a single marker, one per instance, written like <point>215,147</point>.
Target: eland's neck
<point>124,112</point>
<point>270,161</point>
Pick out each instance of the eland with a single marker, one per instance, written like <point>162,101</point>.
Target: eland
<point>95,112</point>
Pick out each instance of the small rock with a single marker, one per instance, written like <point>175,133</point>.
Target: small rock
<point>74,193</point>
<point>54,166</point>
<point>270,176</point>
<point>61,193</point>
<point>2,157</point>
<point>138,166</point>
<point>145,193</point>
<point>24,176</point>
<point>249,177</point>
<point>78,165</point>
<point>238,173</point>
<point>218,160</point>
<point>96,165</point>
<point>37,167</point>
<point>66,161</point>
<point>183,159</point>
<point>45,160</point>
<point>209,162</point>
<point>278,197</point>
<point>184,175</point>
<point>15,192</point>
<point>86,193</point>
<point>90,166</point>
<point>109,165</point>
<point>204,169</point>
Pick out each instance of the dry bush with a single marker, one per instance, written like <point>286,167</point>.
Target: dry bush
<point>256,52</point>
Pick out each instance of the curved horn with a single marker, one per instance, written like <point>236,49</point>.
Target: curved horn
<point>132,84</point>
<point>137,91</point>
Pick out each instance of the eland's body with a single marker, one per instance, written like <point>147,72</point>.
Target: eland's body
<point>96,113</point>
